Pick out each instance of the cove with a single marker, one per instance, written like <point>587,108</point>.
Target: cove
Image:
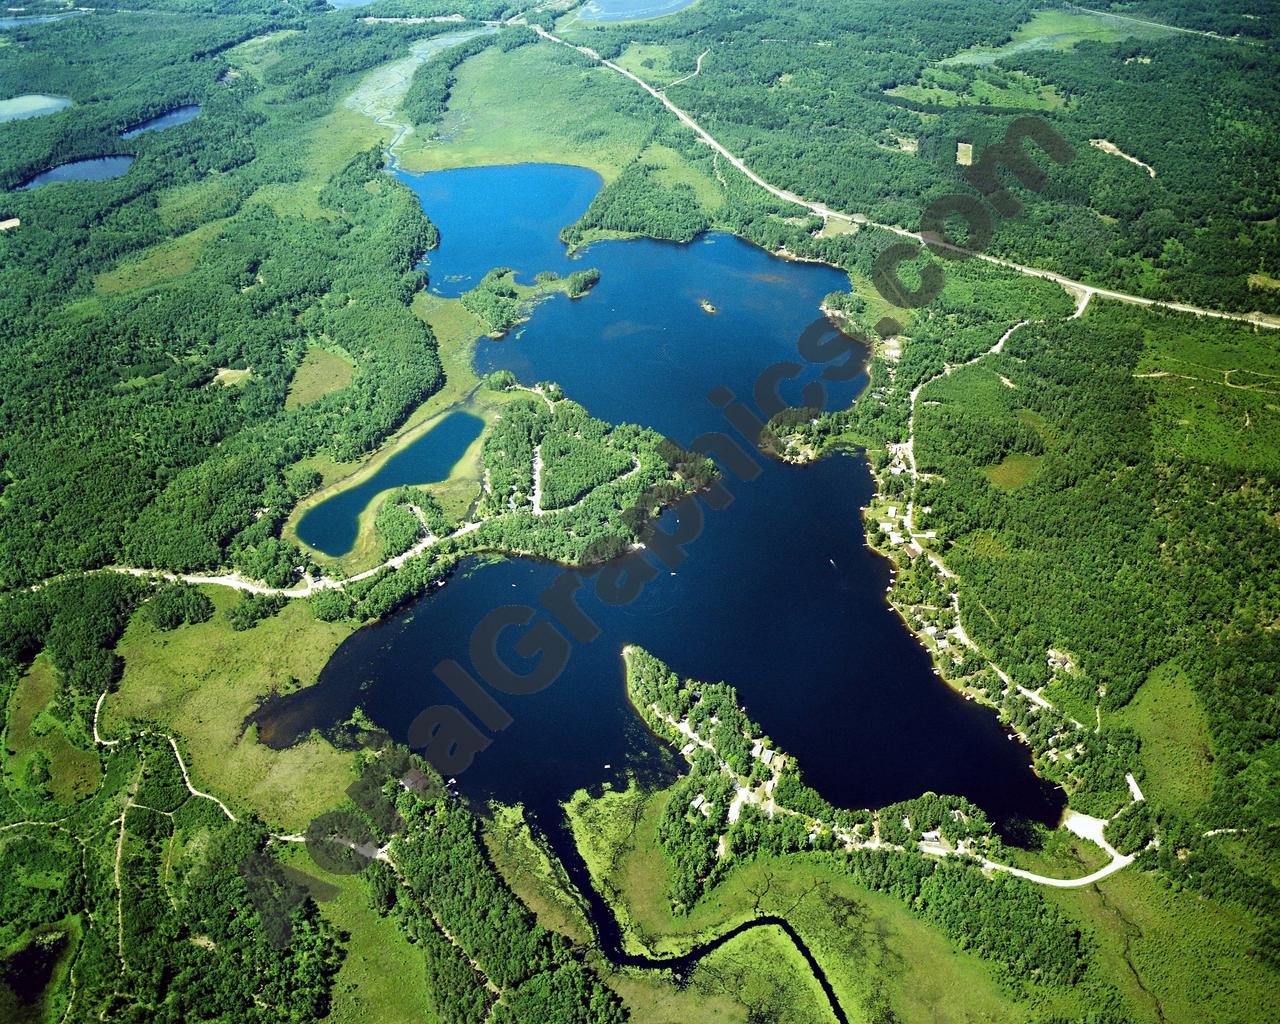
<point>170,119</point>
<point>332,525</point>
<point>780,595</point>
<point>531,202</point>
<point>99,168</point>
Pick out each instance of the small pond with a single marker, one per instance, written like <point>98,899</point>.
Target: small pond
<point>169,119</point>
<point>19,108</point>
<point>332,525</point>
<point>98,168</point>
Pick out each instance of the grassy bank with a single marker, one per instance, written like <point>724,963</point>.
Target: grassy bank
<point>199,682</point>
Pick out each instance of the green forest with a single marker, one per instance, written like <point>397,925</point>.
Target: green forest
<point>1099,481</point>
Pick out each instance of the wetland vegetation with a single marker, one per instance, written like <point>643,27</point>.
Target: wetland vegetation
<point>242,319</point>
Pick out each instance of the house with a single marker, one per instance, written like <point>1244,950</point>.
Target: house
<point>767,757</point>
<point>12,222</point>
<point>932,836</point>
<point>698,801</point>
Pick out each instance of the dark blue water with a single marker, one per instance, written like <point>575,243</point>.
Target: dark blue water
<point>631,10</point>
<point>98,168</point>
<point>180,115</point>
<point>779,595</point>
<point>522,208</point>
<point>332,525</point>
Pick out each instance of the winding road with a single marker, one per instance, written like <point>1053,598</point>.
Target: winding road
<point>827,213</point>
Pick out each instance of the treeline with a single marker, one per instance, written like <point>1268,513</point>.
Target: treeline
<point>1000,918</point>
<point>804,101</point>
<point>600,483</point>
<point>453,889</point>
<point>77,623</point>
<point>495,302</point>
<point>406,516</point>
<point>428,95</point>
<point>188,474</point>
<point>639,202</point>
<point>183,938</point>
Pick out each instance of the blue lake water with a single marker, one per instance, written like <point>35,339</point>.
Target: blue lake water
<point>9,23</point>
<point>632,10</point>
<point>332,525</point>
<point>98,168</point>
<point>169,119</point>
<point>521,203</point>
<point>18,108</point>
<point>780,595</point>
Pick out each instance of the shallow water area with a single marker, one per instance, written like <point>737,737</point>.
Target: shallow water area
<point>19,108</point>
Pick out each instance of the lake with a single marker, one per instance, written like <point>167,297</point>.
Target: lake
<point>8,23</point>
<point>632,10</point>
<point>780,595</point>
<point>98,168</point>
<point>32,105</point>
<point>332,525</point>
<point>169,119</point>
<point>532,202</point>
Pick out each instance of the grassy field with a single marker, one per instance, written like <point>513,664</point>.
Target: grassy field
<point>1059,30</point>
<point>652,62</point>
<point>529,105</point>
<point>1176,956</point>
<point>254,56</point>
<point>1063,855</point>
<point>996,88</point>
<point>1016,469</point>
<point>382,977</point>
<point>320,372</point>
<point>74,771</point>
<point>161,262</point>
<point>199,682</point>
<point>763,971</point>
<point>1176,750</point>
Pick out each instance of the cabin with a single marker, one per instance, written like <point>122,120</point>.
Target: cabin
<point>10,224</point>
